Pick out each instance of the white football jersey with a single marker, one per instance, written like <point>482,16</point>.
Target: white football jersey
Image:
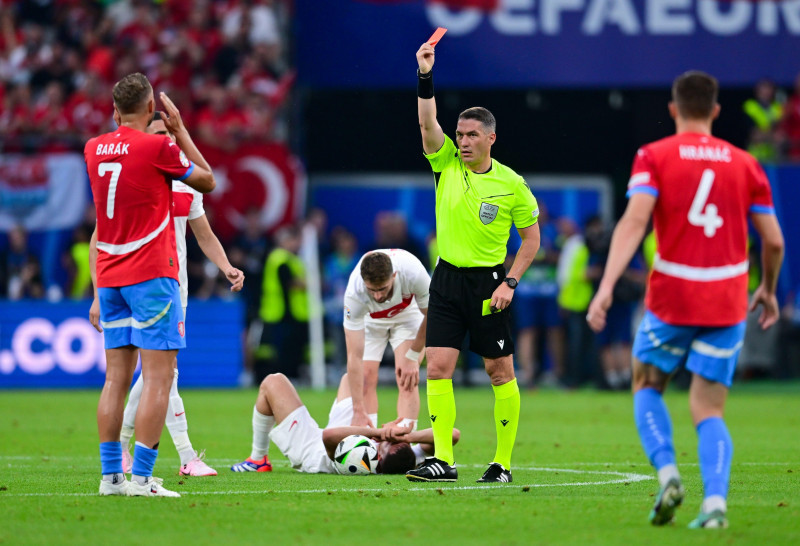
<point>188,205</point>
<point>409,294</point>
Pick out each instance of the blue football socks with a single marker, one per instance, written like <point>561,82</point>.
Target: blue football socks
<point>715,451</point>
<point>144,459</point>
<point>655,427</point>
<point>110,458</point>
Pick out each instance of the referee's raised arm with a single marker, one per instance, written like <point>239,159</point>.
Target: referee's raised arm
<point>432,134</point>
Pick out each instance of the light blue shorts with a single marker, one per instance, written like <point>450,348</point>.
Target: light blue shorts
<point>147,315</point>
<point>709,352</point>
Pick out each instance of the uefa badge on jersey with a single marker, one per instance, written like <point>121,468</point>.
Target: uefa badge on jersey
<point>346,312</point>
<point>488,213</point>
<point>184,159</point>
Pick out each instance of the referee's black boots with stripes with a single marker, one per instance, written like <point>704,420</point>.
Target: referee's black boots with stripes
<point>433,470</point>
<point>496,473</point>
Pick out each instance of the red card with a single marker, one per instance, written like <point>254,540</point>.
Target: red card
<point>434,39</point>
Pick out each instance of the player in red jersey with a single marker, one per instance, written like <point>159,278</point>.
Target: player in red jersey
<point>700,192</point>
<point>131,175</point>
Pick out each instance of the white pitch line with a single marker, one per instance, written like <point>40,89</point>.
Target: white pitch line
<point>624,477</point>
<point>283,462</point>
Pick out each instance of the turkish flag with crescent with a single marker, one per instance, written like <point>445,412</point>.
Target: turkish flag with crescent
<point>268,178</point>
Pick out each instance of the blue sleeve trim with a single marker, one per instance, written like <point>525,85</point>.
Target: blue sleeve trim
<point>188,172</point>
<point>642,189</point>
<point>762,209</point>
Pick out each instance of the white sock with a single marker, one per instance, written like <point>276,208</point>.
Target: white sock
<point>176,424</point>
<point>125,436</point>
<point>714,502</point>
<point>419,453</point>
<point>406,421</point>
<point>262,425</point>
<point>114,478</point>
<point>141,480</point>
<point>666,473</point>
<point>374,418</point>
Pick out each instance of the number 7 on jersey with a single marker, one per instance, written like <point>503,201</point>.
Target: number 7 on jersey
<point>115,169</point>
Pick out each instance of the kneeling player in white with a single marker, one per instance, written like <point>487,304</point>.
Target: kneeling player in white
<point>279,415</point>
<point>386,301</point>
<point>187,208</point>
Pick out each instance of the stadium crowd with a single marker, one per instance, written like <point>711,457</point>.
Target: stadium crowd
<point>226,63</point>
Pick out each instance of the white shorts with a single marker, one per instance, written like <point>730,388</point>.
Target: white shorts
<point>300,439</point>
<point>379,332</point>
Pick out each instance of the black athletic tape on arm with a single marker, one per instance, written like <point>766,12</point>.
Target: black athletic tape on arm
<point>425,85</point>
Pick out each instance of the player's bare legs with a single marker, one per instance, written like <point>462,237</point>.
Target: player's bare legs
<point>714,448</point>
<point>706,399</point>
<point>277,399</point>
<point>556,345</point>
<point>407,387</point>
<point>526,351</point>
<point>500,370</point>
<point>157,370</point>
<point>120,364</point>
<point>371,368</point>
<point>655,432</point>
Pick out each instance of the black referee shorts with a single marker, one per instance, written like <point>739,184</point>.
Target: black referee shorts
<point>457,306</point>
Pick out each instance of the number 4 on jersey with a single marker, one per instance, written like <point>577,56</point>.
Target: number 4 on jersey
<point>708,219</point>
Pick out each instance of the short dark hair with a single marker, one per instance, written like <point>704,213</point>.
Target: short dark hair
<point>399,460</point>
<point>376,267</point>
<point>481,114</point>
<point>695,94</point>
<point>131,92</point>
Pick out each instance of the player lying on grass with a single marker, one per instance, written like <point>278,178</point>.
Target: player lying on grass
<point>279,415</point>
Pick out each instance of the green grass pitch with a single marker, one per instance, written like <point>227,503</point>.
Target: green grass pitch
<point>580,477</point>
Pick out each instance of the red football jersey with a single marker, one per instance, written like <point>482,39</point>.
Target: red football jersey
<point>131,174</point>
<point>705,190</point>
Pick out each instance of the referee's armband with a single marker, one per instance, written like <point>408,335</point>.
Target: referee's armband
<point>425,84</point>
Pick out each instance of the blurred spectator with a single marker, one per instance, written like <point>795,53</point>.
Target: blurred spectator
<point>336,273</point>
<point>20,272</point>
<point>224,58</point>
<point>789,347</point>
<point>535,309</point>
<point>614,342</point>
<point>77,260</point>
<point>764,114</point>
<point>575,293</point>
<point>248,252</point>
<point>284,309</point>
<point>759,349</point>
<point>790,124</point>
<point>391,231</point>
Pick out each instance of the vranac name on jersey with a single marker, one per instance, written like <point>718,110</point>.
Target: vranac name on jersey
<point>111,149</point>
<point>706,153</point>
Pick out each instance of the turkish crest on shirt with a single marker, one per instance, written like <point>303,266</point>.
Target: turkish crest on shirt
<point>488,213</point>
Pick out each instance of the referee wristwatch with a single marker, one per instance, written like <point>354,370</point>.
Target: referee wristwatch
<point>511,282</point>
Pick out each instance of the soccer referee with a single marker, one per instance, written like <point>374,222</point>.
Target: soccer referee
<point>477,200</point>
